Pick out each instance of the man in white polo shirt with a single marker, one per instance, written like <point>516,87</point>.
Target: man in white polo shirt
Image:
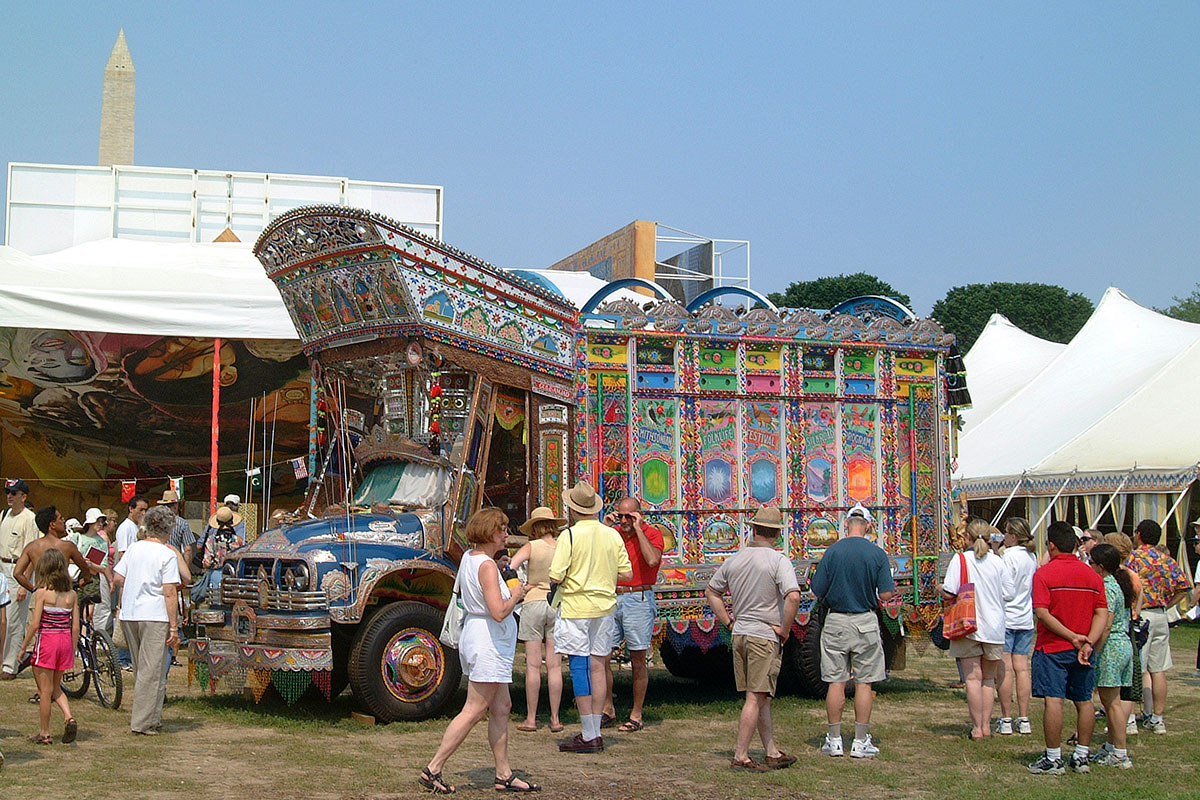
<point>18,528</point>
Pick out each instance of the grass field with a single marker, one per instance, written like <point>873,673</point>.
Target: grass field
<point>227,747</point>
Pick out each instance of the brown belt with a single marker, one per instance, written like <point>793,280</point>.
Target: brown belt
<point>629,589</point>
<point>9,560</point>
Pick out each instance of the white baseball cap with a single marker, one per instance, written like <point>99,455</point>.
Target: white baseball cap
<point>233,498</point>
<point>92,515</point>
<point>73,525</point>
<point>861,512</point>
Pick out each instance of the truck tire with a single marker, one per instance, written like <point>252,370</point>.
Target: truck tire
<point>398,668</point>
<point>715,666</point>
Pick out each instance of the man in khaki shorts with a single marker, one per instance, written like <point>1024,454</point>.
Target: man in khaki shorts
<point>853,578</point>
<point>764,594</point>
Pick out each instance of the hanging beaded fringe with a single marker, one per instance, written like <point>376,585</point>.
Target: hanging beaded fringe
<point>290,685</point>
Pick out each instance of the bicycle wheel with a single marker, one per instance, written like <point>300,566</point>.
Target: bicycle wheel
<point>75,681</point>
<point>110,681</point>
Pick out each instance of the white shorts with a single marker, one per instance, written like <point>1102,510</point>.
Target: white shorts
<point>592,636</point>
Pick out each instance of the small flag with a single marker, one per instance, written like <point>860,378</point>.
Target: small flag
<point>177,486</point>
<point>300,468</point>
<point>128,490</point>
<point>255,476</point>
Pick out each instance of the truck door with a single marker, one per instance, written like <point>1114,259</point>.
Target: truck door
<point>473,471</point>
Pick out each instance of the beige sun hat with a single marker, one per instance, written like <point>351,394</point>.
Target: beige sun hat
<point>768,517</point>
<point>540,513</point>
<point>224,514</point>
<point>583,498</point>
<point>169,496</point>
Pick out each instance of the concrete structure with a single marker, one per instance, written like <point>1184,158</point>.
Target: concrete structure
<point>116,108</point>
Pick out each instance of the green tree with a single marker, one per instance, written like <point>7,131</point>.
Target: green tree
<point>1185,308</point>
<point>1049,312</point>
<point>825,293</point>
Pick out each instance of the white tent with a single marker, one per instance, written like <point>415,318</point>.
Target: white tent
<point>175,289</point>
<point>1002,361</point>
<point>1110,415</point>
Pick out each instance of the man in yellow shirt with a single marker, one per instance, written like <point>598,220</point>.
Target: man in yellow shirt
<point>17,529</point>
<point>588,561</point>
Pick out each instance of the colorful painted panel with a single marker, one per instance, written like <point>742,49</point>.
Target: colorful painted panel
<point>820,531</point>
<point>553,467</point>
<point>605,353</point>
<point>720,359</point>
<point>719,534</point>
<point>762,454</point>
<point>859,451</point>
<point>910,368</point>
<point>820,449</point>
<point>658,354</point>
<point>718,451</point>
<point>612,450</point>
<point>762,360</point>
<point>655,446</point>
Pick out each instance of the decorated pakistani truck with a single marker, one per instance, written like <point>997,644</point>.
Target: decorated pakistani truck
<point>445,383</point>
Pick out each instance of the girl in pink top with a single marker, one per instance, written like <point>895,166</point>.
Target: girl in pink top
<point>55,624</point>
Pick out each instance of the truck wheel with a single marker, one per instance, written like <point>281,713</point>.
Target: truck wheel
<point>801,671</point>
<point>398,668</point>
<point>715,666</point>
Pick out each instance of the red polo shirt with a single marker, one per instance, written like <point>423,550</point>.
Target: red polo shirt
<point>643,573</point>
<point>1071,591</point>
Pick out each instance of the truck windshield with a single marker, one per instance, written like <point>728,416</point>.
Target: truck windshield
<point>405,484</point>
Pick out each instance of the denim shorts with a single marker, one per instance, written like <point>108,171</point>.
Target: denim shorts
<point>1061,675</point>
<point>1019,643</point>
<point>635,620</point>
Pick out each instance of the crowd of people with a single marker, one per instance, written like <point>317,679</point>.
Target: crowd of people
<point>1089,617</point>
<point>126,580</point>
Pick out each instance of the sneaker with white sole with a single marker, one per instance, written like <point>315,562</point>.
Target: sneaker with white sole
<point>1156,727</point>
<point>1098,755</point>
<point>1004,727</point>
<point>1023,726</point>
<point>863,748</point>
<point>1111,759</point>
<point>832,747</point>
<point>1047,766</point>
<point>1131,727</point>
<point>1078,763</point>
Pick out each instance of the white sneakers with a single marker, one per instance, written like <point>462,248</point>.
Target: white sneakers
<point>1005,726</point>
<point>859,748</point>
<point>862,748</point>
<point>1023,726</point>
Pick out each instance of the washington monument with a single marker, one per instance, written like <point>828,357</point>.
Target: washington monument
<point>116,108</point>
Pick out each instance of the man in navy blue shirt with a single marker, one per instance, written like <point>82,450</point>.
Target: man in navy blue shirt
<point>854,576</point>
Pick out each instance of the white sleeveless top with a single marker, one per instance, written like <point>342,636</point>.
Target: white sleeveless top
<point>486,647</point>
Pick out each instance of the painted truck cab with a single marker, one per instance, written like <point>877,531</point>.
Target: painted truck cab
<point>445,383</point>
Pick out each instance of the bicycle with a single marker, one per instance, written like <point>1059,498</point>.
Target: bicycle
<point>95,663</point>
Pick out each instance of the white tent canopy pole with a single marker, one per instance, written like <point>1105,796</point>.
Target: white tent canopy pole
<point>1178,500</point>
<point>1061,489</point>
<point>1008,500</point>
<point>1112,498</point>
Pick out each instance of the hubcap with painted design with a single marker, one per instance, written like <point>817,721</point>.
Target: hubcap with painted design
<point>413,664</point>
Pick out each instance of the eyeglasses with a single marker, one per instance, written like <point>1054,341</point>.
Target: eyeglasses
<point>11,491</point>
<point>1087,538</point>
<point>624,516</point>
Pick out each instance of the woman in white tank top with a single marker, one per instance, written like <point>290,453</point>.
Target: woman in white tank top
<point>486,649</point>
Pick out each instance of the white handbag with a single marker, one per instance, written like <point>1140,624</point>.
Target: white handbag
<point>452,624</point>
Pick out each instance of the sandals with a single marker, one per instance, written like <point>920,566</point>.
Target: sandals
<point>70,731</point>
<point>434,783</point>
<point>38,738</point>
<point>527,728</point>
<point>749,765</point>
<point>607,720</point>
<point>632,726</point>
<point>506,785</point>
<point>556,728</point>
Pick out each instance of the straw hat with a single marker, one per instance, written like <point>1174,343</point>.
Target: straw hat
<point>224,516</point>
<point>169,496</point>
<point>767,517</point>
<point>540,513</point>
<point>583,498</point>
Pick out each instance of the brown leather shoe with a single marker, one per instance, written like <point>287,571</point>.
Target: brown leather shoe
<point>581,745</point>
<point>749,765</point>
<point>782,761</point>
<point>7,676</point>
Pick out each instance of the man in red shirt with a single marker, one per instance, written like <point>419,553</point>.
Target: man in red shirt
<point>1071,610</point>
<point>635,604</point>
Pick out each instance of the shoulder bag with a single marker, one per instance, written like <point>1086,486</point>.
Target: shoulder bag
<point>552,596</point>
<point>959,619</point>
<point>452,623</point>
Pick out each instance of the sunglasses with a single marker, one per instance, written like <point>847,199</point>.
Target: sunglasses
<point>1087,538</point>
<point>12,491</point>
<point>624,516</point>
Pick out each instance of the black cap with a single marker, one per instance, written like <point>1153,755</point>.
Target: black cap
<point>16,485</point>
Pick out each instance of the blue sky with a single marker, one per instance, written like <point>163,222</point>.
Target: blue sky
<point>932,144</point>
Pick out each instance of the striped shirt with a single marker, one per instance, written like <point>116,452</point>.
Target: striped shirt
<point>1071,591</point>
